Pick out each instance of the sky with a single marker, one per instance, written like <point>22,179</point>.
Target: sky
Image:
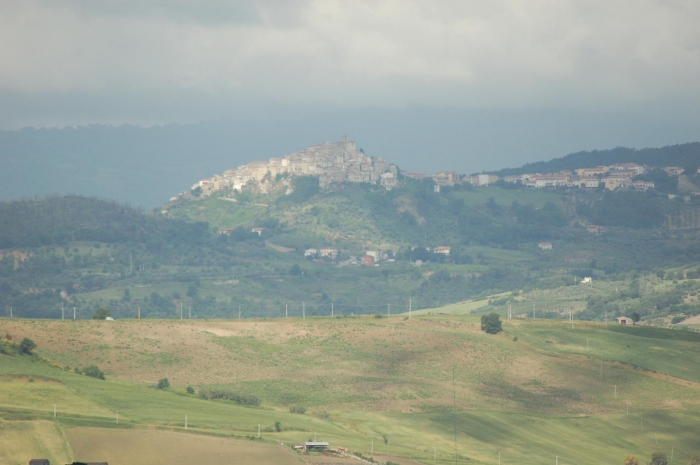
<point>483,84</point>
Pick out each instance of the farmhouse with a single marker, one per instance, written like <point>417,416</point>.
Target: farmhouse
<point>368,260</point>
<point>329,252</point>
<point>545,245</point>
<point>443,249</point>
<point>623,320</point>
<point>587,280</point>
<point>316,445</point>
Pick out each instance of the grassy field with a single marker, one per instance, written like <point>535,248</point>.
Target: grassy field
<point>360,379</point>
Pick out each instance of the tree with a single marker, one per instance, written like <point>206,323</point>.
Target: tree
<point>190,390</point>
<point>386,438</point>
<point>635,317</point>
<point>278,426</point>
<point>491,323</point>
<point>93,372</point>
<point>163,383</point>
<point>631,460</point>
<point>101,313</point>
<point>295,270</point>
<point>658,458</point>
<point>26,346</point>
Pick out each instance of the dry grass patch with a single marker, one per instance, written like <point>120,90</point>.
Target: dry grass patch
<point>146,447</point>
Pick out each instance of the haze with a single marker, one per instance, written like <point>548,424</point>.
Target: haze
<point>474,84</point>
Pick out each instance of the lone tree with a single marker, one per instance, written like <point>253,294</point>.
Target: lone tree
<point>658,458</point>
<point>163,383</point>
<point>491,323</point>
<point>101,313</point>
<point>26,346</point>
<point>635,317</point>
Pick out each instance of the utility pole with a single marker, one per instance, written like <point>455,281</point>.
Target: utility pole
<point>117,417</point>
<point>54,410</point>
<point>185,421</point>
<point>74,313</point>
<point>303,310</point>
<point>10,313</point>
<point>286,310</point>
<point>181,310</point>
<point>388,309</point>
<point>190,313</point>
<point>534,317</point>
<point>139,313</point>
<point>131,265</point>
<point>373,445</point>
<point>616,391</point>
<point>258,429</point>
<point>61,310</point>
<point>331,309</point>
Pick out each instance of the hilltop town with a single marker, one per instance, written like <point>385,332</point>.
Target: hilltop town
<point>335,162</point>
<point>341,162</point>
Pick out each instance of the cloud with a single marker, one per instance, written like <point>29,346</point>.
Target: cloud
<point>479,53</point>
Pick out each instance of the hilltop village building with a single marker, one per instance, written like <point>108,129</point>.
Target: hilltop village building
<point>335,162</point>
<point>342,162</point>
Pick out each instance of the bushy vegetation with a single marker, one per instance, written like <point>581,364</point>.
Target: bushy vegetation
<point>223,393</point>
<point>94,372</point>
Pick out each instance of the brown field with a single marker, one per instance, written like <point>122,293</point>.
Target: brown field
<point>148,447</point>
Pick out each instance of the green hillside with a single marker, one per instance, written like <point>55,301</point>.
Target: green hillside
<point>81,253</point>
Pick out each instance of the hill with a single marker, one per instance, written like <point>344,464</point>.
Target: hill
<point>552,391</point>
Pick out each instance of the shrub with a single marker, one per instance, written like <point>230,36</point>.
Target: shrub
<point>226,394</point>
<point>378,315</point>
<point>515,338</point>
<point>163,383</point>
<point>658,458</point>
<point>677,319</point>
<point>93,372</point>
<point>190,390</point>
<point>26,346</point>
<point>278,426</point>
<point>297,409</point>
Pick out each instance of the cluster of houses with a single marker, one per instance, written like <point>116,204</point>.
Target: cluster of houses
<point>617,176</point>
<point>334,162</point>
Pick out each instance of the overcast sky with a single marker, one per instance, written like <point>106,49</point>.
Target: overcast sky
<point>598,73</point>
